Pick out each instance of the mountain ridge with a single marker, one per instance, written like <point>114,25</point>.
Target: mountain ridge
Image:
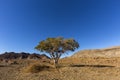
<point>22,55</point>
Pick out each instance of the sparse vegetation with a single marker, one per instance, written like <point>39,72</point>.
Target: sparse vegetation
<point>37,67</point>
<point>70,68</point>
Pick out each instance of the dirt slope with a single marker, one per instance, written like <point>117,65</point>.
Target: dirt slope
<point>107,52</point>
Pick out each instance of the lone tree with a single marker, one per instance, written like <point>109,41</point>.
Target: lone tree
<point>55,47</point>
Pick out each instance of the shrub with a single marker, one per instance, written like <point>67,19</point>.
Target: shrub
<point>35,68</point>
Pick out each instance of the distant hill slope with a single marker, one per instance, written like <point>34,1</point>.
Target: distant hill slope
<point>106,52</point>
<point>22,55</point>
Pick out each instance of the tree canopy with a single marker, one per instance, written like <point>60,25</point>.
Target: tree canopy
<point>57,46</point>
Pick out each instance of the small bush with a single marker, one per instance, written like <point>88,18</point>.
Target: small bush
<point>35,68</point>
<point>13,62</point>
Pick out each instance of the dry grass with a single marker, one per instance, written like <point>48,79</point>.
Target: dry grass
<point>69,69</point>
<point>91,61</point>
<point>37,67</point>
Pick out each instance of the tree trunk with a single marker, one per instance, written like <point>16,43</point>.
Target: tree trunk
<point>56,62</point>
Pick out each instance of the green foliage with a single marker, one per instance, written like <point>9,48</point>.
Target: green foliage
<point>58,45</point>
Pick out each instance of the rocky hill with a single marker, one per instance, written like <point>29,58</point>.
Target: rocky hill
<point>22,55</point>
<point>106,52</point>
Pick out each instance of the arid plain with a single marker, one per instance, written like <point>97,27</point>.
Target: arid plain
<point>98,67</point>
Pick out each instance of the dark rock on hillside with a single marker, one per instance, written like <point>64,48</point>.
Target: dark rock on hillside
<point>37,56</point>
<point>22,55</point>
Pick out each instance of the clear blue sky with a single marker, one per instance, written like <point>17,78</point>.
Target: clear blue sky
<point>93,23</point>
